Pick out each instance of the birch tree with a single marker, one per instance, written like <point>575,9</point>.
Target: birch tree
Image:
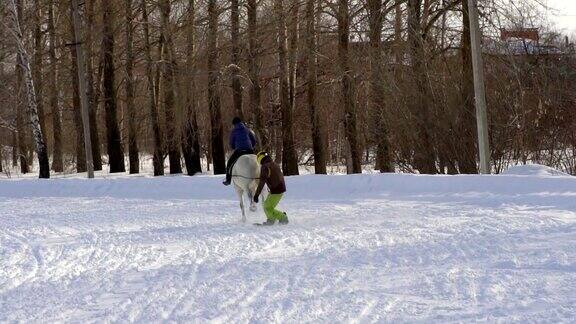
<point>57,163</point>
<point>31,100</point>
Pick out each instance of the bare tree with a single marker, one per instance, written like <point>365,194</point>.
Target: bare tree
<point>398,33</point>
<point>254,73</point>
<point>424,155</point>
<point>348,99</point>
<point>88,40</point>
<point>129,90</point>
<point>378,87</point>
<point>37,64</point>
<point>21,148</point>
<point>235,38</point>
<point>31,100</point>
<point>289,156</point>
<point>113,138</point>
<point>168,72</point>
<point>467,158</point>
<point>214,104</point>
<point>191,134</point>
<point>80,149</point>
<point>57,164</point>
<point>318,141</point>
<point>158,155</point>
<point>293,39</point>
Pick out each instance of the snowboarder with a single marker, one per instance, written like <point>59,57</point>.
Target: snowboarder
<point>242,141</point>
<point>271,175</point>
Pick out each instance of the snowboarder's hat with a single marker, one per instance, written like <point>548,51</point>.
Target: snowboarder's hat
<point>260,156</point>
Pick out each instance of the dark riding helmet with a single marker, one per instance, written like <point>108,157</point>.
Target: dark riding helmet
<point>236,121</point>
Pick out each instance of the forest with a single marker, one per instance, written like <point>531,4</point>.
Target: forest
<point>326,85</point>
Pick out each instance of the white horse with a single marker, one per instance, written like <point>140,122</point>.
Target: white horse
<point>245,177</point>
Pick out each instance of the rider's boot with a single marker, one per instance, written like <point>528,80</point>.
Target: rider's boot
<point>228,180</point>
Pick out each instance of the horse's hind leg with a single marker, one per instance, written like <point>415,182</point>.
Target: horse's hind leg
<point>240,193</point>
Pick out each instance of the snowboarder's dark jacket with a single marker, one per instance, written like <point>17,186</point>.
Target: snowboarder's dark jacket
<point>271,175</point>
<point>242,138</point>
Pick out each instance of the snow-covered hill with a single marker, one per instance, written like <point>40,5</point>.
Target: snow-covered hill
<point>365,248</point>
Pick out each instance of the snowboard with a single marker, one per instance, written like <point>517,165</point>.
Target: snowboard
<point>264,224</point>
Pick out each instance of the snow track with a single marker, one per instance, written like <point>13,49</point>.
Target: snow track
<point>365,248</point>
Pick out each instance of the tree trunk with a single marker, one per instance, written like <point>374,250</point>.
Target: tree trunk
<point>318,142</point>
<point>289,157</point>
<point>158,158</point>
<point>2,143</point>
<point>235,37</point>
<point>79,144</point>
<point>15,141</point>
<point>254,72</point>
<point>168,72</point>
<point>23,60</point>
<point>348,100</point>
<point>113,138</point>
<point>190,136</point>
<point>129,92</point>
<point>94,133</point>
<point>424,156</point>
<point>377,90</point>
<point>158,72</point>
<point>398,33</point>
<point>38,62</point>
<point>20,125</point>
<point>467,158</point>
<point>293,39</point>
<point>57,164</point>
<point>217,134</point>
<point>76,105</point>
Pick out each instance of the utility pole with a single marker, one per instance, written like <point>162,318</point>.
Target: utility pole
<point>83,90</point>
<point>479,89</point>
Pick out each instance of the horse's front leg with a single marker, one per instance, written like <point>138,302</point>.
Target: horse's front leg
<point>240,193</point>
<point>253,206</point>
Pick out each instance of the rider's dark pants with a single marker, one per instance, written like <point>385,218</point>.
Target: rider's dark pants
<point>232,160</point>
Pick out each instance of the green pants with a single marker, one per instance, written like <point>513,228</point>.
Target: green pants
<point>270,210</point>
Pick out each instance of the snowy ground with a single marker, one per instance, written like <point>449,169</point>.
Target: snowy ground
<point>366,248</point>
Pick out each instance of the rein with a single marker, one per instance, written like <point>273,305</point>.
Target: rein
<point>244,177</point>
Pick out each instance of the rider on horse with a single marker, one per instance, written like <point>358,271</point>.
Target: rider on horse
<point>242,141</point>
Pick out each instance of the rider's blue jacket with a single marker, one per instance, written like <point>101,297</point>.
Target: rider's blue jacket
<point>242,138</point>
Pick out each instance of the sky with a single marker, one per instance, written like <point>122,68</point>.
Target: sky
<point>563,14</point>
